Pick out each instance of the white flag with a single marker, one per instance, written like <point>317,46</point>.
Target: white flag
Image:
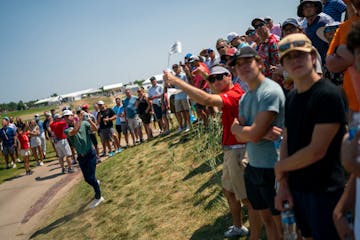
<point>175,48</point>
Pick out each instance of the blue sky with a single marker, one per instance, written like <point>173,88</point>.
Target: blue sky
<point>64,46</point>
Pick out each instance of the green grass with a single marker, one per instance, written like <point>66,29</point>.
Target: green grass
<point>168,188</point>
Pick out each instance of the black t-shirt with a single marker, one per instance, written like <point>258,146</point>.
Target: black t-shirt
<point>103,114</point>
<point>322,103</point>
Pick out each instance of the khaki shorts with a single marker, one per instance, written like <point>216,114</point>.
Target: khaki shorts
<point>181,105</point>
<point>25,152</point>
<point>233,172</point>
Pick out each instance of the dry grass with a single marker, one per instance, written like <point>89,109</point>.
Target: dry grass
<point>168,188</point>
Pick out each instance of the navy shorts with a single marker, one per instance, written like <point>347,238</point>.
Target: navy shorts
<point>260,188</point>
<point>313,213</point>
<point>158,111</point>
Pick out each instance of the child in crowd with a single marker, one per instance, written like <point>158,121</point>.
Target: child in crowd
<point>23,137</point>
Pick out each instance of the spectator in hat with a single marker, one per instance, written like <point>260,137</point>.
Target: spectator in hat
<point>310,10</point>
<point>235,40</point>
<point>309,173</point>
<point>226,99</point>
<point>268,47</point>
<point>252,38</point>
<point>210,57</point>
<point>120,122</point>
<point>8,139</point>
<point>274,28</point>
<point>105,119</point>
<point>350,200</point>
<point>334,8</point>
<point>259,123</point>
<point>58,126</point>
<point>339,59</point>
<point>154,94</point>
<point>79,135</point>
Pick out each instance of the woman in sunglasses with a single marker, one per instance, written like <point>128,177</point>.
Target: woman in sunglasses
<point>227,100</point>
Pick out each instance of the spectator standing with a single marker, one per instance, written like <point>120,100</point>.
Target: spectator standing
<point>129,104</point>
<point>8,139</point>
<point>120,122</point>
<point>227,99</point>
<point>40,123</point>
<point>58,126</point>
<point>35,142</point>
<point>23,137</point>
<point>261,116</point>
<point>105,120</point>
<point>154,94</point>
<point>143,106</point>
<point>268,47</point>
<point>79,135</point>
<point>182,108</point>
<point>310,10</point>
<point>309,172</point>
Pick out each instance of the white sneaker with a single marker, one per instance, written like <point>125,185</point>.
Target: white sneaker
<point>98,181</point>
<point>18,160</point>
<point>41,164</point>
<point>96,202</point>
<point>14,165</point>
<point>234,231</point>
<point>187,129</point>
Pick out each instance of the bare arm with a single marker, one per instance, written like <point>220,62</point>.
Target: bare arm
<point>321,138</point>
<point>257,130</point>
<point>196,94</point>
<point>340,60</point>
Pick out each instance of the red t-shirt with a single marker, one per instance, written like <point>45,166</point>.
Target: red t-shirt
<point>230,112</point>
<point>198,79</point>
<point>58,128</point>
<point>24,140</point>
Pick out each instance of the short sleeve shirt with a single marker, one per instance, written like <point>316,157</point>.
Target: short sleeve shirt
<point>269,53</point>
<point>267,97</point>
<point>104,114</point>
<point>119,110</point>
<point>58,129</point>
<point>81,140</point>
<point>155,91</point>
<point>7,135</point>
<point>130,107</point>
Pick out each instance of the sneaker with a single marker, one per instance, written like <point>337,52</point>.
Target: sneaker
<point>18,160</point>
<point>179,130</point>
<point>98,181</point>
<point>63,171</point>
<point>98,160</point>
<point>187,129</point>
<point>14,165</point>
<point>111,154</point>
<point>70,170</point>
<point>96,202</point>
<point>234,231</point>
<point>103,155</point>
<point>41,164</point>
<point>38,164</point>
<point>73,162</point>
<point>29,172</point>
<point>141,140</point>
<point>118,150</point>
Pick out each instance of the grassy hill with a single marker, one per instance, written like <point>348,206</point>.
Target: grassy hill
<point>167,188</point>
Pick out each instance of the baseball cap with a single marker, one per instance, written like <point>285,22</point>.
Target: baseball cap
<point>57,116</point>
<point>321,30</point>
<point>294,42</point>
<point>255,20</point>
<point>6,119</point>
<point>249,30</point>
<point>267,18</point>
<point>100,102</point>
<point>193,58</point>
<point>231,36</point>
<point>67,113</point>
<point>84,106</point>
<point>36,116</point>
<point>47,114</point>
<point>244,52</point>
<point>291,21</point>
<point>218,69</point>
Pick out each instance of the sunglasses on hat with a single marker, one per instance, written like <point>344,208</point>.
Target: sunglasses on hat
<point>286,46</point>
<point>259,25</point>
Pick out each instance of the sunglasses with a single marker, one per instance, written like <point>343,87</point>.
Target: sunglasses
<point>221,47</point>
<point>286,46</point>
<point>216,77</point>
<point>259,25</point>
<point>330,29</point>
<point>251,33</point>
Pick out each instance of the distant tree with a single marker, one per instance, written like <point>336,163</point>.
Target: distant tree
<point>139,82</point>
<point>54,95</point>
<point>20,106</point>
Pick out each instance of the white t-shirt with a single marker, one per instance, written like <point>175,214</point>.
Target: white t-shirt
<point>357,210</point>
<point>154,91</point>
